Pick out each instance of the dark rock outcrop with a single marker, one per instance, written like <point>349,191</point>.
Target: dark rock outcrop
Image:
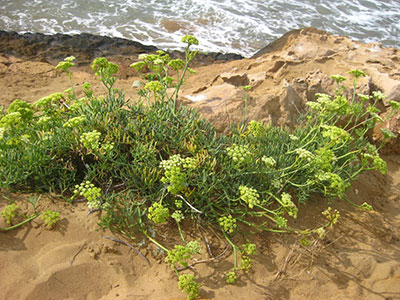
<point>85,47</point>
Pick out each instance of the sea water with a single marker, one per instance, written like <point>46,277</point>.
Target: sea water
<point>227,26</point>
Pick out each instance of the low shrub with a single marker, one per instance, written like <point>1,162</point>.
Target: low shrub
<point>152,161</point>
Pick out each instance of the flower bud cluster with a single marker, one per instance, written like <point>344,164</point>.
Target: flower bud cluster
<point>269,162</point>
<point>103,68</point>
<point>324,159</point>
<point>249,195</point>
<point>256,128</point>
<point>158,213</point>
<point>314,105</point>
<point>280,221</point>
<point>287,203</point>
<point>375,160</point>
<point>10,212</point>
<point>231,277</point>
<point>50,217</point>
<point>178,203</point>
<point>176,64</point>
<point>91,140</point>
<point>366,206</point>
<point>304,154</point>
<point>336,184</point>
<point>336,134</point>
<point>189,163</point>
<point>107,147</point>
<point>75,122</point>
<point>11,120</point>
<point>245,263</point>
<point>331,215</point>
<point>189,286</point>
<point>321,232</point>
<point>87,89</point>
<point>227,223</point>
<point>250,249</point>
<point>174,172</point>
<point>45,103</point>
<point>190,40</point>
<point>178,216</point>
<point>90,192</point>
<point>23,107</point>
<point>66,64</point>
<point>154,86</point>
<point>44,120</point>
<point>240,154</point>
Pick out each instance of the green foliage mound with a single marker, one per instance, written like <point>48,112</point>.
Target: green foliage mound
<point>152,161</point>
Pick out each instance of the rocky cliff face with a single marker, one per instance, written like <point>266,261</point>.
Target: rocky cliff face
<point>85,47</point>
<point>288,73</point>
<point>284,75</point>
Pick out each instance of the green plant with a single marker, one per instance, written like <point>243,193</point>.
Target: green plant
<point>189,286</point>
<point>181,254</point>
<point>161,66</point>
<point>10,212</point>
<point>90,192</point>
<point>50,218</point>
<point>158,213</point>
<point>66,66</point>
<point>145,164</point>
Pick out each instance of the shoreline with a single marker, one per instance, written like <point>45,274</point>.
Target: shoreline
<point>85,47</point>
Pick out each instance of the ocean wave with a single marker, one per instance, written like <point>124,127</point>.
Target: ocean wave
<point>231,26</point>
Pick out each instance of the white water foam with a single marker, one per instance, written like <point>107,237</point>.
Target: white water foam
<point>230,26</point>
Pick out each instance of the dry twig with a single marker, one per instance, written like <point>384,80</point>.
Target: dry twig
<point>76,254</point>
<point>129,245</point>
<point>204,260</point>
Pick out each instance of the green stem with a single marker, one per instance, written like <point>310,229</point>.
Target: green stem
<point>180,232</point>
<point>349,153</point>
<point>20,224</point>
<point>70,82</point>
<point>234,247</point>
<point>180,81</point>
<point>265,209</point>
<point>264,228</point>
<point>245,107</point>
<point>354,90</point>
<point>154,241</point>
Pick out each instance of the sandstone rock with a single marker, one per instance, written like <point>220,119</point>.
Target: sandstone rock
<point>3,68</point>
<point>220,104</point>
<point>235,79</point>
<point>383,82</point>
<point>256,78</point>
<point>319,82</point>
<point>31,68</point>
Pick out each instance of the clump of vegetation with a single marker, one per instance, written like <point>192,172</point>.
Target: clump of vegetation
<point>50,218</point>
<point>147,162</point>
<point>13,212</point>
<point>9,213</point>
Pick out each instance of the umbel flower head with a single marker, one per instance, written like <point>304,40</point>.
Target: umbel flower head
<point>249,195</point>
<point>66,64</point>
<point>190,40</point>
<point>102,67</point>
